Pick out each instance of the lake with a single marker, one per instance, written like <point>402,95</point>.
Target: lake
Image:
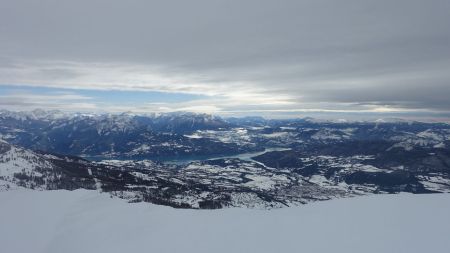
<point>188,159</point>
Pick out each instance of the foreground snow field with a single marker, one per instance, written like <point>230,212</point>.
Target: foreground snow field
<point>86,221</point>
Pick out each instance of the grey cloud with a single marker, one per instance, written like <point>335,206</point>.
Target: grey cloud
<point>353,52</point>
<point>24,100</point>
<point>59,73</point>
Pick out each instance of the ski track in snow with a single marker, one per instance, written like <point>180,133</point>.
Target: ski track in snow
<point>88,221</point>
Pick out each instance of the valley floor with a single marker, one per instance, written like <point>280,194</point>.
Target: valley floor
<point>87,221</point>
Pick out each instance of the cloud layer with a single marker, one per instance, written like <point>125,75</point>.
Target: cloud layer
<point>243,56</point>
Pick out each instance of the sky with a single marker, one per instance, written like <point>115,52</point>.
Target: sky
<point>248,57</point>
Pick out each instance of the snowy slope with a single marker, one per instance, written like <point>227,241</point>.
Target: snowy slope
<point>86,221</point>
<point>15,160</point>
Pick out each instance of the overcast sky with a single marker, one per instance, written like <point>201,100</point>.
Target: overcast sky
<point>226,57</point>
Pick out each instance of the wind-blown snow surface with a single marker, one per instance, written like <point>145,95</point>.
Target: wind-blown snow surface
<point>86,221</point>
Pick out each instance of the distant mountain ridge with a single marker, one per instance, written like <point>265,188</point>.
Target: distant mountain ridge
<point>129,135</point>
<point>113,134</point>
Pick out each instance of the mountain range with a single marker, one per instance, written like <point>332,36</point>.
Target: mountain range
<point>191,160</point>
